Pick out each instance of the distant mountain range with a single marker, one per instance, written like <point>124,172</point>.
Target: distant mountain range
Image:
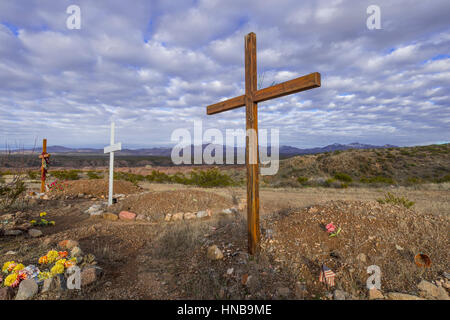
<point>166,151</point>
<point>287,150</point>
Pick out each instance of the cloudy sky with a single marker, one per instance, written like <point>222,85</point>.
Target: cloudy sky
<point>154,66</point>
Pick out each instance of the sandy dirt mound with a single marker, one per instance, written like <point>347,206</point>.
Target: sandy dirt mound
<point>157,204</point>
<point>96,187</point>
<point>372,234</point>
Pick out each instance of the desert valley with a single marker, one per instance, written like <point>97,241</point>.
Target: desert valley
<point>180,232</point>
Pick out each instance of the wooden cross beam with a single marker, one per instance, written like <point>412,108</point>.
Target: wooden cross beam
<point>250,100</point>
<point>44,156</point>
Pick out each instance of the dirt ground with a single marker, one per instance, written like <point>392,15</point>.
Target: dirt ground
<point>154,259</point>
<point>95,187</point>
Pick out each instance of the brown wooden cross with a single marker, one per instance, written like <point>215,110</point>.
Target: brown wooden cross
<point>250,100</point>
<point>44,164</point>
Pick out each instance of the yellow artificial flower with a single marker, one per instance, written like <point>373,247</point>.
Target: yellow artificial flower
<point>10,279</point>
<point>52,223</point>
<point>6,266</point>
<point>57,269</point>
<point>52,255</point>
<point>44,275</point>
<point>60,261</point>
<point>18,267</point>
<point>33,221</point>
<point>43,214</point>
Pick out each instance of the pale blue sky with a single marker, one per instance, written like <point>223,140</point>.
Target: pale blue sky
<point>154,66</point>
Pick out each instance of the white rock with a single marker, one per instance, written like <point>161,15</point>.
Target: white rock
<point>35,233</point>
<point>203,214</point>
<point>428,288</point>
<point>227,211</point>
<point>27,289</point>
<point>214,253</point>
<point>51,284</point>
<point>13,232</point>
<point>177,216</point>
<point>141,217</point>
<point>96,213</point>
<point>94,208</point>
<point>189,215</point>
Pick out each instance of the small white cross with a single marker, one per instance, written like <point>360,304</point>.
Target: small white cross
<point>110,149</point>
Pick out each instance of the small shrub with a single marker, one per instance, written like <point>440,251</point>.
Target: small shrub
<point>93,175</point>
<point>157,176</point>
<point>302,180</point>
<point>131,177</point>
<point>378,179</point>
<point>413,180</point>
<point>343,177</point>
<point>210,178</point>
<point>11,192</point>
<point>330,183</point>
<point>392,199</point>
<point>445,178</point>
<point>179,177</point>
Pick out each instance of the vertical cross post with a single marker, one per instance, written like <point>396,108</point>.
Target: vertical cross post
<point>44,151</point>
<point>252,154</point>
<point>110,149</point>
<point>44,156</point>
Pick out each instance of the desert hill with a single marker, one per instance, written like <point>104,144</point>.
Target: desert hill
<point>407,165</point>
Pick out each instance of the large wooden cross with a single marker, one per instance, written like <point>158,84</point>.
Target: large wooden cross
<point>44,156</point>
<point>250,100</point>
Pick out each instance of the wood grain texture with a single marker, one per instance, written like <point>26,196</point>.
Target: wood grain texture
<point>251,150</point>
<point>299,84</point>
<point>226,105</point>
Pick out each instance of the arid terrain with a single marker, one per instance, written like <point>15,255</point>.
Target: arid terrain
<point>153,259</point>
<point>190,242</point>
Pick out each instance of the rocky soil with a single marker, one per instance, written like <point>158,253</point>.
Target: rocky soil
<point>146,253</point>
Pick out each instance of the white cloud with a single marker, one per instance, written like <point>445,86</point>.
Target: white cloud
<point>155,66</point>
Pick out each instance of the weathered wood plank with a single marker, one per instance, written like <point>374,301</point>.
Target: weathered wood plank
<point>307,82</point>
<point>299,84</point>
<point>251,150</point>
<point>226,105</point>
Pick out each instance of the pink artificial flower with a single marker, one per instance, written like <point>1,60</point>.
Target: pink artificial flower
<point>330,227</point>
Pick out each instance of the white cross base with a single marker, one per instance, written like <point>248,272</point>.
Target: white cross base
<point>110,149</point>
